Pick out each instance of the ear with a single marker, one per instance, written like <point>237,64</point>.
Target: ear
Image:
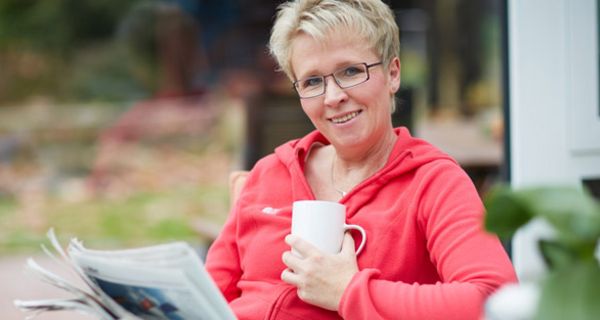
<point>394,75</point>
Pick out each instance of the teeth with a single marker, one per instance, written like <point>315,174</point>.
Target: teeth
<point>345,118</point>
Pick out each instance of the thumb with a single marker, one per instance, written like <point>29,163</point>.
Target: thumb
<point>348,244</point>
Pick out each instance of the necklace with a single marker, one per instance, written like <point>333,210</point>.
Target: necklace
<point>341,192</point>
<point>382,161</point>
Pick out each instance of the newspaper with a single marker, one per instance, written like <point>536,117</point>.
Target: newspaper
<point>166,281</point>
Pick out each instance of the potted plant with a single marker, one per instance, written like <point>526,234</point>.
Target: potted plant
<point>571,288</point>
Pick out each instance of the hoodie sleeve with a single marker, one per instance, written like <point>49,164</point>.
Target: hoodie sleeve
<point>470,262</point>
<point>222,260</point>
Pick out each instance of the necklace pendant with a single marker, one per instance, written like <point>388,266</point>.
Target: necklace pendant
<point>342,193</point>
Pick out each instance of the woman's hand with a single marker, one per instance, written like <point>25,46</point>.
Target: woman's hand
<point>320,278</point>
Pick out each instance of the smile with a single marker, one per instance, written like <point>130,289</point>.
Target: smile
<point>345,118</point>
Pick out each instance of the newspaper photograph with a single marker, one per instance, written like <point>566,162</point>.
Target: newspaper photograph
<point>166,281</point>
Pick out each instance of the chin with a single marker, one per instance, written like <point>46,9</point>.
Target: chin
<point>348,141</point>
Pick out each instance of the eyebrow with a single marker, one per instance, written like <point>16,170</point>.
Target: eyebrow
<point>310,74</point>
<point>338,66</point>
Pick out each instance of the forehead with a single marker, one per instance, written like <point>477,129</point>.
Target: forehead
<point>310,56</point>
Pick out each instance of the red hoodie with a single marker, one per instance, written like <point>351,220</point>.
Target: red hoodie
<point>426,255</point>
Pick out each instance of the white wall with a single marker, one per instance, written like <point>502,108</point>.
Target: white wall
<point>554,121</point>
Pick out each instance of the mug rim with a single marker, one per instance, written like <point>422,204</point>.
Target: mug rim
<point>318,201</point>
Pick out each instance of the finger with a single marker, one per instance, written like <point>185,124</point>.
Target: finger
<point>289,277</point>
<point>303,247</point>
<point>290,260</point>
<point>348,244</point>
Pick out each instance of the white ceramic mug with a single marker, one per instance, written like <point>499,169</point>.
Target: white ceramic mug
<point>323,224</point>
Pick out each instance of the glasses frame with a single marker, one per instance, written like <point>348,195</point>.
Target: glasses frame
<point>324,77</point>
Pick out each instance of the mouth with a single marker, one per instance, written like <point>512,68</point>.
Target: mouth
<point>345,118</point>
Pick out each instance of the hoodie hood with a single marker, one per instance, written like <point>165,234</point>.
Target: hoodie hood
<point>408,154</point>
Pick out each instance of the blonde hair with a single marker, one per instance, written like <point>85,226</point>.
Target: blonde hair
<point>371,20</point>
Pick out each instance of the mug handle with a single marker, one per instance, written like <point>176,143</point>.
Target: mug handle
<point>362,232</point>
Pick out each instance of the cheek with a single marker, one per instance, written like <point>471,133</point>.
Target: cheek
<point>306,108</point>
<point>374,96</point>
<point>379,102</point>
<point>311,109</point>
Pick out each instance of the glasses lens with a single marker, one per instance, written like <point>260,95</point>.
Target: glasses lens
<point>310,87</point>
<point>346,77</point>
<point>351,75</point>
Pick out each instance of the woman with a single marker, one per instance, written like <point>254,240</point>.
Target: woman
<point>426,256</point>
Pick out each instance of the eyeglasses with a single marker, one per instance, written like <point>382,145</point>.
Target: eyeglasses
<point>345,78</point>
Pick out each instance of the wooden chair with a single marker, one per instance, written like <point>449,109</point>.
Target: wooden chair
<point>209,229</point>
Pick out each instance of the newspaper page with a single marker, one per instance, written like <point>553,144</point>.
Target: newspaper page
<point>88,300</point>
<point>165,281</point>
<point>160,282</point>
<point>82,300</point>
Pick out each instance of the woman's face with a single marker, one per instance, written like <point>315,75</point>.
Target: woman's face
<point>359,116</point>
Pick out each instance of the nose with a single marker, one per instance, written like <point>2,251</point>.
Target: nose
<point>334,94</point>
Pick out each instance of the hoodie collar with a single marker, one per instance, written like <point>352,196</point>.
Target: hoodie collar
<point>408,154</point>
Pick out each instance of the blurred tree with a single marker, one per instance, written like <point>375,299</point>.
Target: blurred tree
<point>58,26</point>
<point>39,40</point>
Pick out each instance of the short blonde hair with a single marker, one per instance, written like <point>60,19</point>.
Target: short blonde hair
<point>371,20</point>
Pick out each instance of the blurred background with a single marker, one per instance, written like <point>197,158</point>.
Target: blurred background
<point>121,120</point>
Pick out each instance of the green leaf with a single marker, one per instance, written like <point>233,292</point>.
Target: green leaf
<point>571,293</point>
<point>556,254</point>
<point>572,211</point>
<point>506,212</point>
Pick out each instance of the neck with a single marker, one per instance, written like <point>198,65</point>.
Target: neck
<point>375,155</point>
<point>350,168</point>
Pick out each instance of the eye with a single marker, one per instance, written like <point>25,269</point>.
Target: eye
<point>311,82</point>
<point>352,71</point>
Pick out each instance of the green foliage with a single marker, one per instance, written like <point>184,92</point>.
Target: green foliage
<point>571,293</point>
<point>571,290</point>
<point>58,26</point>
<point>572,211</point>
<point>44,45</point>
<point>506,212</point>
<point>104,73</point>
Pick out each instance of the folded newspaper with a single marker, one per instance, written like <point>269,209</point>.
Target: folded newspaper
<point>166,281</point>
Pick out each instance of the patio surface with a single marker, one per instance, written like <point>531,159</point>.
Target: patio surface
<point>16,283</point>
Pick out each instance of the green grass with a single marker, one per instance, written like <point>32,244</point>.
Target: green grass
<point>60,148</point>
<point>141,219</point>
